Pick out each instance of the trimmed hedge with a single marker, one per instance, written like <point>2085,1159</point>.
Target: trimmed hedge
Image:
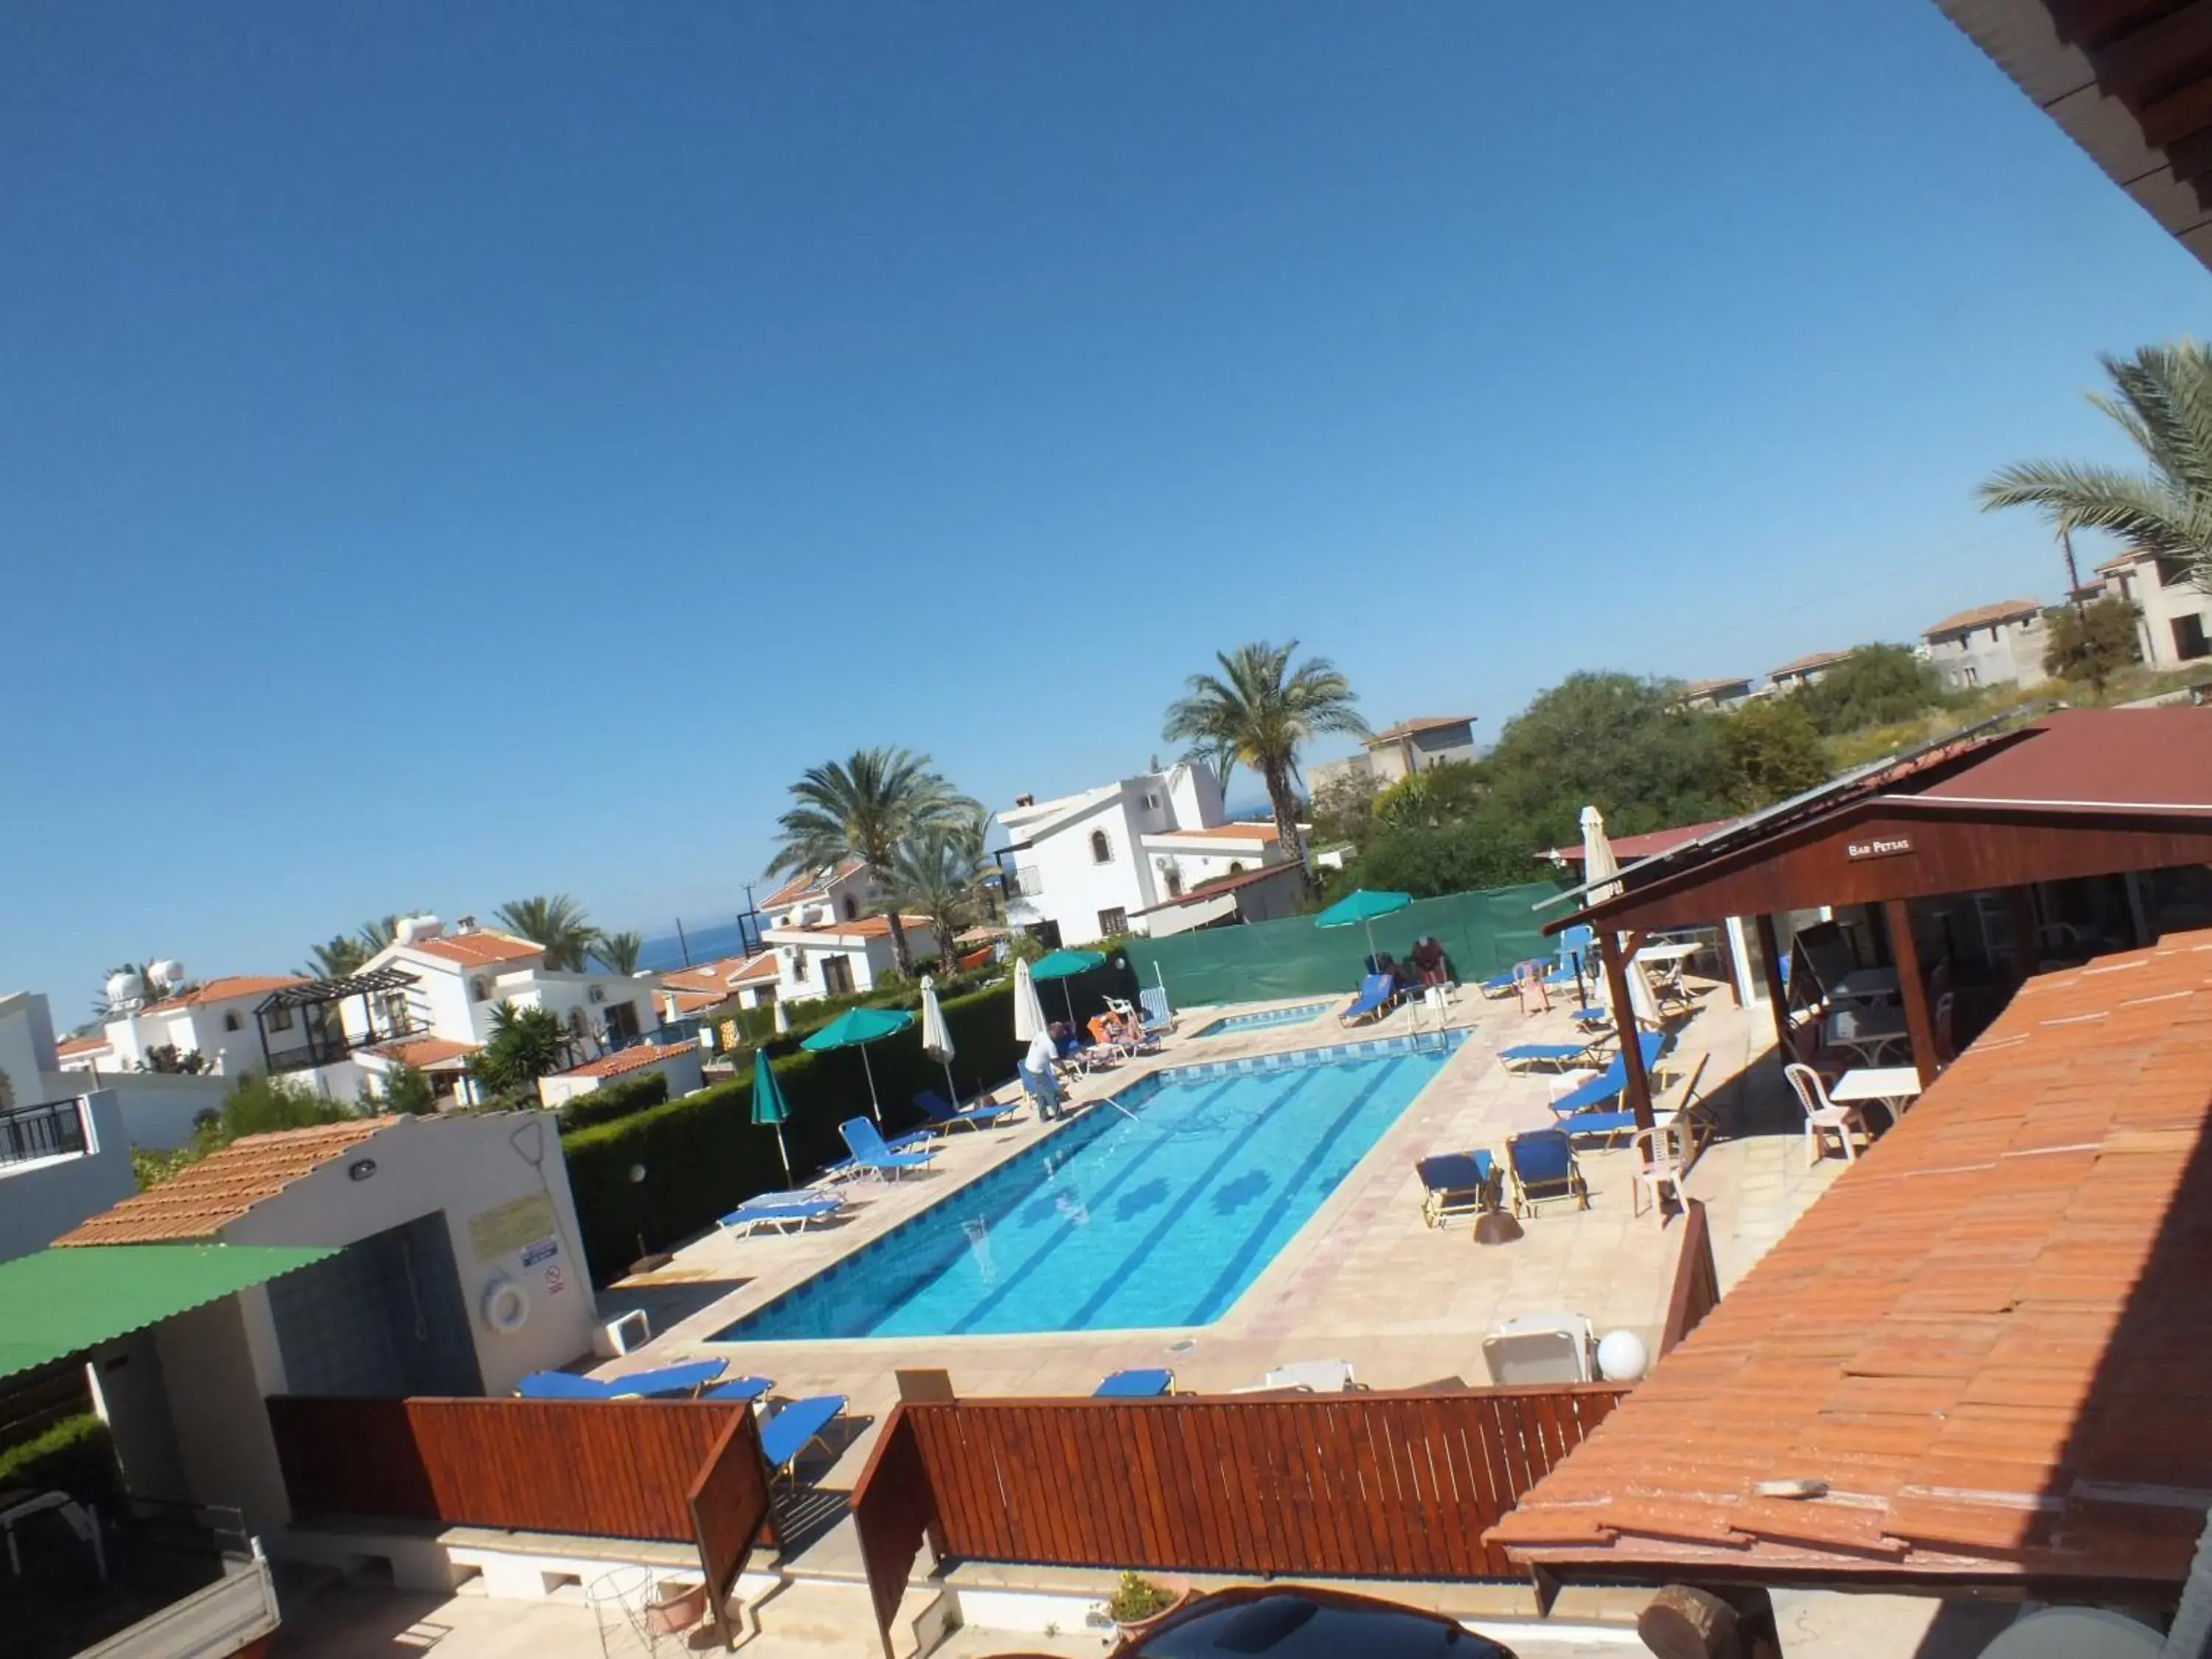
<point>703,1155</point>
<point>758,1025</point>
<point>77,1455</point>
<point>620,1098</point>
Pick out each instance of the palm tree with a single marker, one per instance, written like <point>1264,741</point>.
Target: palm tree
<point>1259,710</point>
<point>862,808</point>
<point>2163,403</point>
<point>524,1045</point>
<point>557,922</point>
<point>932,873</point>
<point>617,952</point>
<point>341,957</point>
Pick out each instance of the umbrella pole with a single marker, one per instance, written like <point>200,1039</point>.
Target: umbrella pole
<point>875,1107</point>
<point>950,1087</point>
<point>785,1151</point>
<point>1067,991</point>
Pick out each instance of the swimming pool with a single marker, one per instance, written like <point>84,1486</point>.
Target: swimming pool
<point>1116,1221</point>
<point>1261,1022</point>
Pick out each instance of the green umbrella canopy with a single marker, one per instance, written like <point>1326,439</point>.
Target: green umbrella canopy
<point>858,1025</point>
<point>1362,906</point>
<point>1065,965</point>
<point>768,1105</point>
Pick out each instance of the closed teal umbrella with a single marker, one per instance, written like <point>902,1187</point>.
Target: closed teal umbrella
<point>1063,965</point>
<point>768,1106</point>
<point>1362,907</point>
<point>856,1028</point>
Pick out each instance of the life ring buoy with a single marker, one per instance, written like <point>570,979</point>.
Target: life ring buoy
<point>506,1306</point>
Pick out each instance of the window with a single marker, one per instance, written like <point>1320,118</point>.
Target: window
<point>1102,850</point>
<point>799,966</point>
<point>278,1018</point>
<point>1175,881</point>
<point>231,1021</point>
<point>852,907</point>
<point>837,976</point>
<point>2189,638</point>
<point>1152,800</point>
<point>479,990</point>
<point>1970,676</point>
<point>1235,867</point>
<point>1115,920</point>
<point>622,1022</point>
<point>2168,573</point>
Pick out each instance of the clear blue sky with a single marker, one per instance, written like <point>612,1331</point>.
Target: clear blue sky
<point>453,452</point>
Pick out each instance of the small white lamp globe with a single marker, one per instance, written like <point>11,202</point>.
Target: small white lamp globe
<point>1622,1357</point>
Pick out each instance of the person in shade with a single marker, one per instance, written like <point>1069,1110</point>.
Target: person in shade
<point>1428,960</point>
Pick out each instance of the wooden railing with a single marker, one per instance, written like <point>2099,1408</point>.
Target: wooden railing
<point>1697,1288</point>
<point>613,1468</point>
<point>1359,1485</point>
<point>730,1508</point>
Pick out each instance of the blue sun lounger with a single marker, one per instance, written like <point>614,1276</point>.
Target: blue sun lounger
<point>943,1115</point>
<point>1376,993</point>
<point>1579,1110</point>
<point>865,1142</point>
<point>785,1212</point>
<point>743,1388</point>
<point>686,1378</point>
<point>1456,1183</point>
<point>1559,1055</point>
<point>785,1436</point>
<point>1542,1165</point>
<point>1146,1384</point>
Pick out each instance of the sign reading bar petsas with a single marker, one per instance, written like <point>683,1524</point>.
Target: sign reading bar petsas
<point>1877,846</point>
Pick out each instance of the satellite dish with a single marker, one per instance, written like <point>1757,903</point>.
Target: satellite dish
<point>2077,1633</point>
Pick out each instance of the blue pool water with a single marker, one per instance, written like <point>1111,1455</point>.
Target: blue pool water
<point>1113,1223</point>
<point>1273,1016</point>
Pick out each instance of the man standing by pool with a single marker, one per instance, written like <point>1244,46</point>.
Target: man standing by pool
<point>1036,1071</point>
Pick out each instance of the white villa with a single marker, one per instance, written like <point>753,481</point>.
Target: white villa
<point>2177,615</point>
<point>825,939</point>
<point>1089,864</point>
<point>214,1021</point>
<point>753,980</point>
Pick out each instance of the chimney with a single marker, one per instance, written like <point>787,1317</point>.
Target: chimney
<point>1024,800</point>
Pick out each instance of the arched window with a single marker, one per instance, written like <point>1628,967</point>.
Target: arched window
<point>1102,850</point>
<point>852,907</point>
<point>230,1021</point>
<point>1236,866</point>
<point>1174,882</point>
<point>479,990</point>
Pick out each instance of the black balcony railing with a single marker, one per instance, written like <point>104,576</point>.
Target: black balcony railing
<point>48,1130</point>
<point>328,1048</point>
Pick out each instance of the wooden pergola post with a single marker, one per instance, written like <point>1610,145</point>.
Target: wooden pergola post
<point>1624,1025</point>
<point>2025,934</point>
<point>1777,994</point>
<point>1919,1029</point>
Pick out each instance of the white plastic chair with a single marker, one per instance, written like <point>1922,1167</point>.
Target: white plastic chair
<point>1823,1117</point>
<point>1662,1160</point>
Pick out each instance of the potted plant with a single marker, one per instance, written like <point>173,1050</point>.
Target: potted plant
<point>1138,1604</point>
<point>675,1605</point>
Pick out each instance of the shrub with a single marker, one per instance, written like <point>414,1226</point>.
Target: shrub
<point>758,1025</point>
<point>76,1455</point>
<point>619,1098</point>
<point>703,1155</point>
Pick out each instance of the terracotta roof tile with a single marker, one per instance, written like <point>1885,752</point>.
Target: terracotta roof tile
<point>1248,833</point>
<point>1991,1339</point>
<point>81,1045</point>
<point>225,989</point>
<point>628,1060</point>
<point>421,1052</point>
<point>809,883</point>
<point>1420,723</point>
<point>204,1198</point>
<point>860,928</point>
<point>1983,615</point>
<point>480,949</point>
<point>1806,663</point>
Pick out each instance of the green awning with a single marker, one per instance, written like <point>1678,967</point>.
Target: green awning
<point>63,1301</point>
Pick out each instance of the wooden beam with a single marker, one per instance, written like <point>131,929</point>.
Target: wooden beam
<point>1624,1026</point>
<point>1919,1029</point>
<point>2021,901</point>
<point>1777,994</point>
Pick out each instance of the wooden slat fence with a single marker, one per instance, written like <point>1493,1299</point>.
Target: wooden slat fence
<point>613,1468</point>
<point>1696,1287</point>
<point>730,1506</point>
<point>1358,1484</point>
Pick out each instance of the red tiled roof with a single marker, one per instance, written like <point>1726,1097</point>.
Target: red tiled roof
<point>1237,832</point>
<point>1990,1341</point>
<point>1628,849</point>
<point>81,1045</point>
<point>859,927</point>
<point>1713,688</point>
<point>1982,616</point>
<point>201,1199</point>
<point>809,883</point>
<point>1220,885</point>
<point>722,973</point>
<point>629,1060</point>
<point>226,989</point>
<point>1802,665</point>
<point>2135,759</point>
<point>480,949</point>
<point>422,1053</point>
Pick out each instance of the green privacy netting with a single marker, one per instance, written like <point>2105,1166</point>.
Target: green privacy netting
<point>1482,933</point>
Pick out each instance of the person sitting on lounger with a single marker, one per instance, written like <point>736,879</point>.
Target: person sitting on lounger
<point>1428,960</point>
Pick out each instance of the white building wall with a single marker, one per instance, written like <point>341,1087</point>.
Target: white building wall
<point>220,1361</point>
<point>2164,603</point>
<point>2002,653</point>
<point>466,1166</point>
<point>41,1200</point>
<point>1074,887</point>
<point>1194,795</point>
<point>158,1111</point>
<point>27,1049</point>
